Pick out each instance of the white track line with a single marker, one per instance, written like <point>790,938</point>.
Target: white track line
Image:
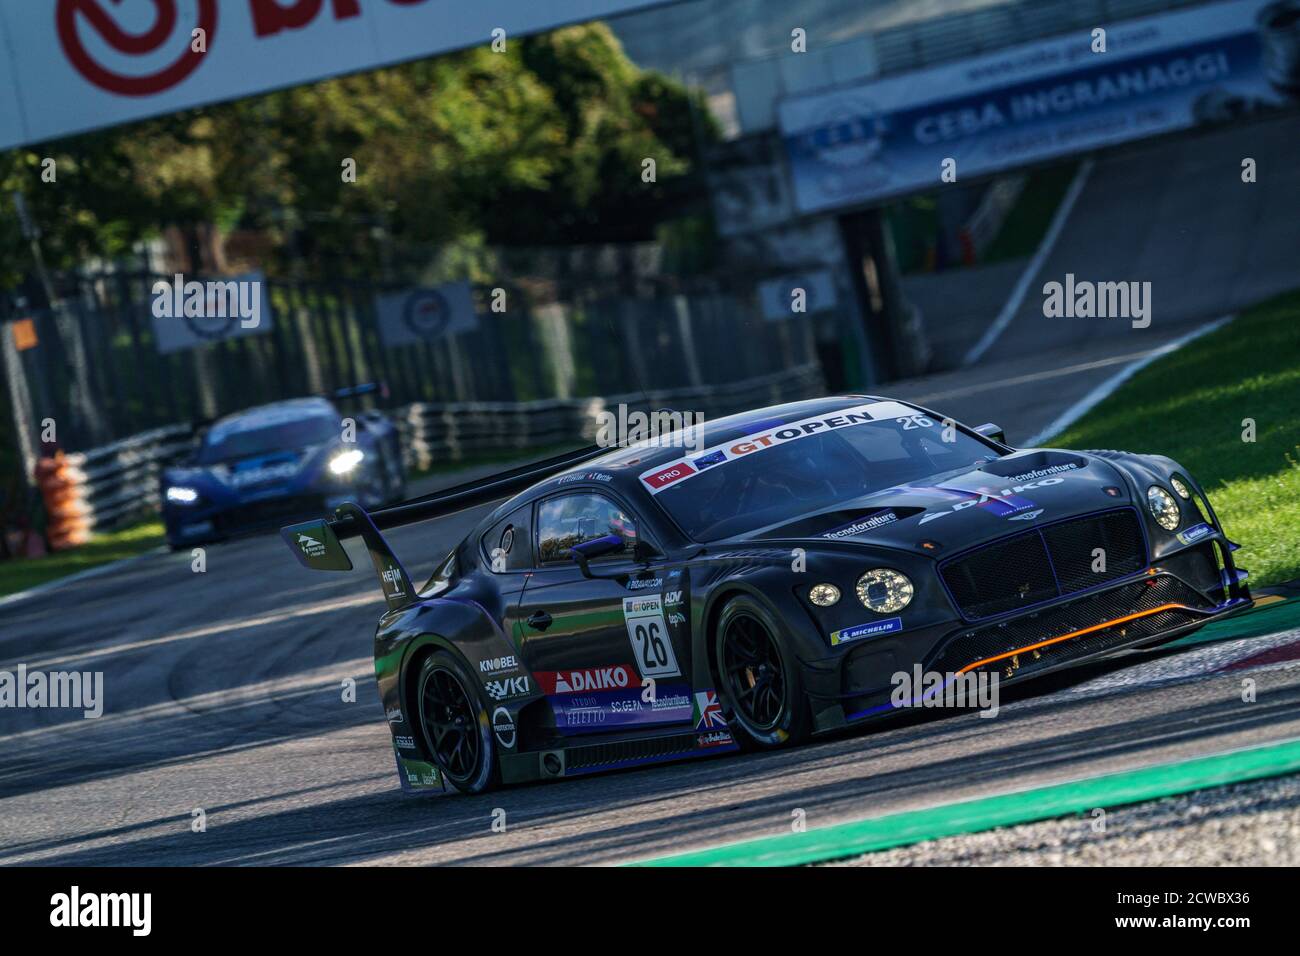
<point>1012,306</point>
<point>94,572</point>
<point>1102,391</point>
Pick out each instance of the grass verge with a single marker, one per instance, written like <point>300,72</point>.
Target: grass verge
<point>23,573</point>
<point>1197,406</point>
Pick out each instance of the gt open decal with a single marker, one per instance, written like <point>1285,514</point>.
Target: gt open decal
<point>657,479</point>
<point>646,629</point>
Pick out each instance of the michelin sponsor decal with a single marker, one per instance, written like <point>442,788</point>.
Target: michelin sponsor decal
<point>888,626</point>
<point>1195,533</point>
<point>657,479</point>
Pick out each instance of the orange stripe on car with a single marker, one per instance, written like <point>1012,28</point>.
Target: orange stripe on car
<point>1086,630</point>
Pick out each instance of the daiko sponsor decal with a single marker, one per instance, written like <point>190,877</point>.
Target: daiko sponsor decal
<point>657,479</point>
<point>592,678</point>
<point>1004,503</point>
<point>76,65</point>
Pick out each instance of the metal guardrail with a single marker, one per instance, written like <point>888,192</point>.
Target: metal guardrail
<point>119,482</point>
<point>442,431</point>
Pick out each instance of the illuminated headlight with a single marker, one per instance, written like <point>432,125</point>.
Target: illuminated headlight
<point>884,591</point>
<point>1180,489</point>
<point>823,595</point>
<point>182,496</point>
<point>346,461</point>
<point>1163,507</point>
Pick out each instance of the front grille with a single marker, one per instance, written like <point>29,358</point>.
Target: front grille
<point>1045,563</point>
<point>994,640</point>
<point>270,511</point>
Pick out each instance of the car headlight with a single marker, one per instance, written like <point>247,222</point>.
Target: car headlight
<point>1163,508</point>
<point>346,461</point>
<point>182,496</point>
<point>884,591</point>
<point>823,595</point>
<point>1180,489</point>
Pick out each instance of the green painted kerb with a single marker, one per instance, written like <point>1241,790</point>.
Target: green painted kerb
<point>1063,799</point>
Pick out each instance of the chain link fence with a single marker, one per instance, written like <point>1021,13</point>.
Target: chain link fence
<point>96,371</point>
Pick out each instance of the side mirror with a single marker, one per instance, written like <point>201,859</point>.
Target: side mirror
<point>989,430</point>
<point>595,548</point>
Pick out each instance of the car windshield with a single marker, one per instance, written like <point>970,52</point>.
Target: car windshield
<point>786,481</point>
<point>282,436</point>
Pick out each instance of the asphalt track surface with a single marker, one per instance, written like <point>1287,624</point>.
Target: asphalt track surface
<point>223,693</point>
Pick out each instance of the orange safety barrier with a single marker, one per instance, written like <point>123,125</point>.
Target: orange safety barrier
<point>68,522</point>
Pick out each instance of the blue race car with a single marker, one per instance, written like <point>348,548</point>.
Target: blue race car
<point>291,459</point>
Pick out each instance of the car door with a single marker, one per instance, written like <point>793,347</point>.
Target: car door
<point>599,647</point>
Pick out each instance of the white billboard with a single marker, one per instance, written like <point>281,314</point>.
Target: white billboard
<point>424,315</point>
<point>72,65</point>
<point>190,314</point>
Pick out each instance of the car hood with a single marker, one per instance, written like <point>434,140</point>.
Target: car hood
<point>255,471</point>
<point>956,510</point>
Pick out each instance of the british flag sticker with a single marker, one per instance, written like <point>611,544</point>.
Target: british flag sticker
<point>708,712</point>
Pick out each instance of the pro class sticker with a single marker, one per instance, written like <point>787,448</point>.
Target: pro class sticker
<point>859,631</point>
<point>651,645</point>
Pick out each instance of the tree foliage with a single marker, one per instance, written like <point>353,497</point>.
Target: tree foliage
<point>541,144</point>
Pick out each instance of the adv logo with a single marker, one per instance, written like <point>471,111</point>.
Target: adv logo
<point>165,32</point>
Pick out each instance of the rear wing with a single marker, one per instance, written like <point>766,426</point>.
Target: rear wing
<point>318,544</point>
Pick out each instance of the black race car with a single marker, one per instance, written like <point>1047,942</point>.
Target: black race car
<point>765,577</point>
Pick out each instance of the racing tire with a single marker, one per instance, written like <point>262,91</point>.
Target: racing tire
<point>455,723</point>
<point>759,682</point>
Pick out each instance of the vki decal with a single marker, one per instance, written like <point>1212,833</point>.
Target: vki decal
<point>508,687</point>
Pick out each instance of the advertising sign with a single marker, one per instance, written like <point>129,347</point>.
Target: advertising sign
<point>188,313</point>
<point>423,315</point>
<point>1041,100</point>
<point>75,65</point>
